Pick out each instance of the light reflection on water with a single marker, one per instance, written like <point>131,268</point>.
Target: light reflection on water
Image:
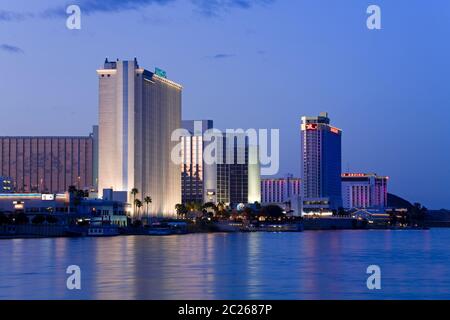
<point>308,265</point>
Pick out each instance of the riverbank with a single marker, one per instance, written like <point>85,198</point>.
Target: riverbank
<point>184,227</point>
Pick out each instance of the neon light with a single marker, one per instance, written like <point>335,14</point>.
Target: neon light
<point>334,130</point>
<point>357,175</point>
<point>161,73</point>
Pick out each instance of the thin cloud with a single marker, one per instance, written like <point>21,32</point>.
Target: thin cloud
<point>208,8</point>
<point>10,16</point>
<point>94,6</point>
<point>213,8</point>
<point>10,49</point>
<point>222,56</point>
<point>103,6</point>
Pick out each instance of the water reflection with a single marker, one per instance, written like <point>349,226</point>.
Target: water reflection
<point>308,265</point>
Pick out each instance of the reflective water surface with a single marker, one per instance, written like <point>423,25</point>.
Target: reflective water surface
<point>308,265</point>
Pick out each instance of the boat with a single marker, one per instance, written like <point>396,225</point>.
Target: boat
<point>276,227</point>
<point>160,232</point>
<point>102,231</point>
<point>166,228</point>
<point>229,226</point>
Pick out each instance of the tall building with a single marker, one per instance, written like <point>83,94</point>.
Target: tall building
<point>238,180</point>
<point>231,177</point>
<point>49,164</point>
<point>280,190</point>
<point>196,176</point>
<point>320,164</point>
<point>138,112</point>
<point>364,190</point>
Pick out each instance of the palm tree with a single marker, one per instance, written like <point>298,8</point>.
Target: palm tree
<point>138,205</point>
<point>72,190</point>
<point>147,201</point>
<point>181,209</point>
<point>134,192</point>
<point>211,206</point>
<point>416,214</point>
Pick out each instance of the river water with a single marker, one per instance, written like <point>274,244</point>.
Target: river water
<point>306,265</point>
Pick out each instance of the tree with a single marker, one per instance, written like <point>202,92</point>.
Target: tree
<point>272,211</point>
<point>72,195</point>
<point>134,192</point>
<point>51,219</point>
<point>248,213</point>
<point>417,214</point>
<point>38,219</point>
<point>341,212</point>
<point>20,218</point>
<point>181,210</point>
<point>221,206</point>
<point>147,201</point>
<point>82,194</point>
<point>4,219</point>
<point>222,211</point>
<point>138,205</point>
<point>393,218</point>
<point>194,206</point>
<point>212,206</point>
<point>137,223</point>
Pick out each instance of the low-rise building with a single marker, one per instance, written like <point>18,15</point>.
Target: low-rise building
<point>279,190</point>
<point>364,190</point>
<point>68,207</point>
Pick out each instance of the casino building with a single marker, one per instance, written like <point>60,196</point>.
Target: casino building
<point>321,161</point>
<point>364,191</point>
<point>49,164</point>
<point>280,190</point>
<point>138,112</point>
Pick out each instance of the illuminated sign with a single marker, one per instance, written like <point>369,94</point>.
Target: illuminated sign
<point>161,73</point>
<point>334,130</point>
<point>48,197</point>
<point>311,126</point>
<point>354,175</point>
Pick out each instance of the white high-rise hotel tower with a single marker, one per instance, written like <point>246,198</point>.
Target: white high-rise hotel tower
<point>138,111</point>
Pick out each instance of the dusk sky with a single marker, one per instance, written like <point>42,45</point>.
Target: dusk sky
<point>251,64</point>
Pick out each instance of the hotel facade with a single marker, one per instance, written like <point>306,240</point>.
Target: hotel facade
<point>231,176</point>
<point>138,112</point>
<point>197,177</point>
<point>238,173</point>
<point>321,162</point>
<point>49,164</point>
<point>280,190</point>
<point>364,191</point>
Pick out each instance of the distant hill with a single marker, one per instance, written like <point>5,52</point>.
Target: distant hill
<point>394,201</point>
